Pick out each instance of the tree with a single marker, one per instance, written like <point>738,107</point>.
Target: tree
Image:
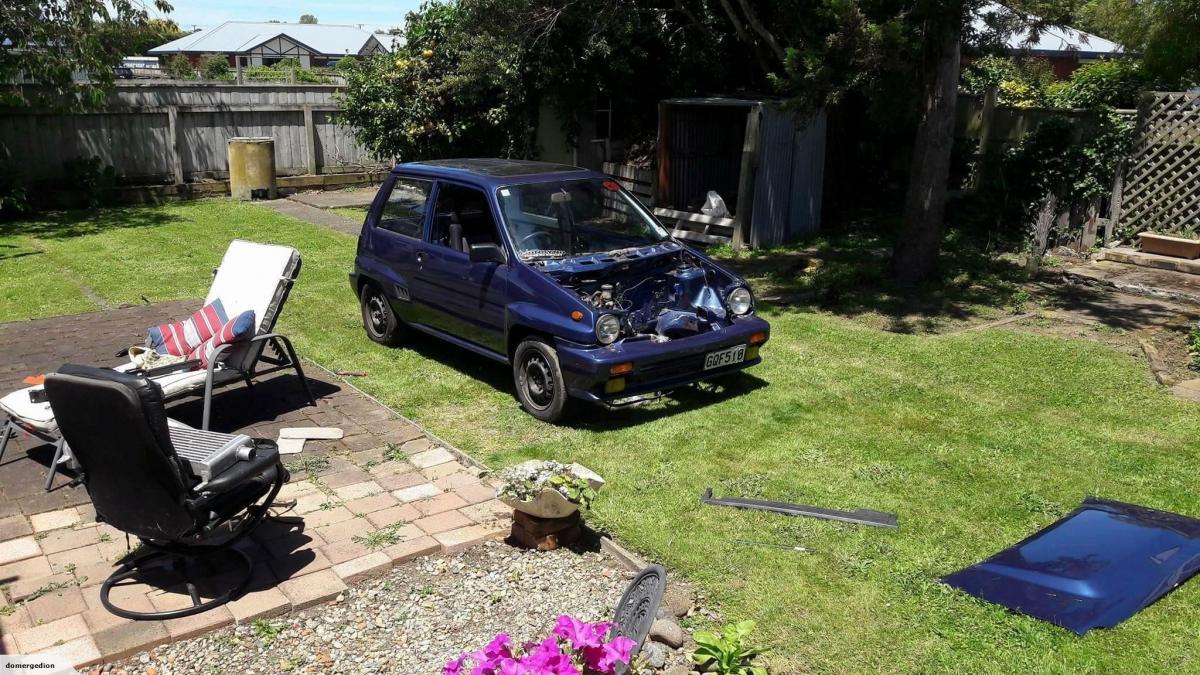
<point>215,67</point>
<point>48,42</point>
<point>307,18</point>
<point>1164,31</point>
<point>179,68</point>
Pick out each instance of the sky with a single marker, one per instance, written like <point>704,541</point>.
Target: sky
<point>211,13</point>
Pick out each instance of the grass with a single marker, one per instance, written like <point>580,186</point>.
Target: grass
<point>976,440</point>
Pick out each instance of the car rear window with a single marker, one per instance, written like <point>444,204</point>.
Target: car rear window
<point>404,211</point>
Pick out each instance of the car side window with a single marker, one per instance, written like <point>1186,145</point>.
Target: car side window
<point>462,217</point>
<point>404,211</point>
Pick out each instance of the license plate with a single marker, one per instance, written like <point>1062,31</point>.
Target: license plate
<point>725,357</point>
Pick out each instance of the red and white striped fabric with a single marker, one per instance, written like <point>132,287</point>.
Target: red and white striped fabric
<point>180,338</point>
<point>238,328</point>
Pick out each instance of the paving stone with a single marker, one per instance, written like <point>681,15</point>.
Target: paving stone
<point>443,502</point>
<point>342,551</point>
<point>489,511</point>
<point>415,548</point>
<point>16,620</point>
<point>323,517</point>
<point>14,526</point>
<point>433,473</point>
<point>312,589</point>
<point>415,446</point>
<point>18,549</point>
<point>443,522</point>
<point>428,458</point>
<point>129,638</point>
<point>198,624</point>
<point>313,501</point>
<point>397,514</point>
<point>355,527</point>
<point>344,478</point>
<point>365,505</point>
<point>364,567</point>
<point>456,540</point>
<point>422,491</point>
<point>358,490</point>
<point>476,492</point>
<point>54,520</point>
<point>265,603</point>
<point>400,481</point>
<point>42,636</point>
<point>29,568</point>
<point>56,605</point>
<point>91,575</point>
<point>63,540</point>
<point>23,588</point>
<point>82,651</point>
<point>84,556</point>
<point>99,618</point>
<point>299,563</point>
<point>295,489</point>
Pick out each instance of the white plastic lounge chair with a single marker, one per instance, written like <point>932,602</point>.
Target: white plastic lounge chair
<point>251,276</point>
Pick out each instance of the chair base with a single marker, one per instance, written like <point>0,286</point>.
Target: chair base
<point>175,563</point>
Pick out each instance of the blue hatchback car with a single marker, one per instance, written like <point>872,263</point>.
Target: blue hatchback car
<point>554,270</point>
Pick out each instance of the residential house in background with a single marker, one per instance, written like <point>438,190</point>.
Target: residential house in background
<point>1065,48</point>
<point>263,44</point>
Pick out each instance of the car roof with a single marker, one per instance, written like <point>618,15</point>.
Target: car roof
<point>494,171</point>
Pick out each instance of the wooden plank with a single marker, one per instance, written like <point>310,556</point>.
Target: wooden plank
<point>747,178</point>
<point>699,237</point>
<point>688,216</point>
<point>176,157</point>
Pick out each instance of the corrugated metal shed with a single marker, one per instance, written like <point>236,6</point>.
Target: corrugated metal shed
<point>765,161</point>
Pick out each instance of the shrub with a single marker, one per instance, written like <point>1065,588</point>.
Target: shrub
<point>1116,83</point>
<point>14,193</point>
<point>216,67</point>
<point>728,652</point>
<point>179,68</point>
<point>91,181</point>
<point>1019,82</point>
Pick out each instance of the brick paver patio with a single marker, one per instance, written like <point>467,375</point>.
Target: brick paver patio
<point>382,495</point>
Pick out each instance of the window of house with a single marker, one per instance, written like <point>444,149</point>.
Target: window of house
<point>404,211</point>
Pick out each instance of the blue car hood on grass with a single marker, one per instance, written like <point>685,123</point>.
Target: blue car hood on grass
<point>1094,568</point>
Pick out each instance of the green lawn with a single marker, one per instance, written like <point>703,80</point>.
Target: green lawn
<point>975,440</point>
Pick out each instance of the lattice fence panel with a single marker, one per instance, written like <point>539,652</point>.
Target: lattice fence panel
<point>1162,181</point>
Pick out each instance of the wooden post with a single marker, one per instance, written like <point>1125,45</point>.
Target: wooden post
<point>746,179</point>
<point>1114,208</point>
<point>173,132</point>
<point>985,132</point>
<point>664,156</point>
<point>1089,224</point>
<point>310,140</point>
<point>238,62</point>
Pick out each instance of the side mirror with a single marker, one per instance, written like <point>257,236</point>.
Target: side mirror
<point>487,253</point>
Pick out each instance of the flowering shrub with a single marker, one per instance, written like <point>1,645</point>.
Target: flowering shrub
<point>525,481</point>
<point>573,648</point>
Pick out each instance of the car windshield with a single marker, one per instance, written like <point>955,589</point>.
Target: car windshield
<point>575,217</point>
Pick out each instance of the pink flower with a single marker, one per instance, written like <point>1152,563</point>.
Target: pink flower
<point>580,634</point>
<point>548,659</point>
<point>620,650</point>
<point>454,667</point>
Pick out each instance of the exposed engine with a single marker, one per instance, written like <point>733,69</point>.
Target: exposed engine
<point>670,297</point>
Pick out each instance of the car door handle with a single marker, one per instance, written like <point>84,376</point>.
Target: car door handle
<point>421,258</point>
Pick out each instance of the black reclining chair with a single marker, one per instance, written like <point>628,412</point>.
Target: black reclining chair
<point>116,426</point>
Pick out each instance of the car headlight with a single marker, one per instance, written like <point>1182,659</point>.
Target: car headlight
<point>608,328</point>
<point>740,301</point>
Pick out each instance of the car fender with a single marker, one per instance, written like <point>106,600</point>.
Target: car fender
<point>393,284</point>
<point>531,316</point>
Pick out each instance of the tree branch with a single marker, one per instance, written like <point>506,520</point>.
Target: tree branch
<point>745,36</point>
<point>759,28</point>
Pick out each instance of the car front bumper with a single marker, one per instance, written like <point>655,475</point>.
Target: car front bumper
<point>657,366</point>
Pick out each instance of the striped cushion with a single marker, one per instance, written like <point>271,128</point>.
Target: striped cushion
<point>239,327</point>
<point>183,337</point>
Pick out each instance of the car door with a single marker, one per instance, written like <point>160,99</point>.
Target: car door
<point>466,299</point>
<point>399,216</point>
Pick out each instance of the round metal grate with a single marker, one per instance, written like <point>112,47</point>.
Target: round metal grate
<point>639,605</point>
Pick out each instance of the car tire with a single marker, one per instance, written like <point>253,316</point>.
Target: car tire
<point>538,378</point>
<point>379,319</point>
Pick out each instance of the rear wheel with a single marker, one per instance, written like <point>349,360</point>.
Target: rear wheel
<point>539,380</point>
<point>379,320</point>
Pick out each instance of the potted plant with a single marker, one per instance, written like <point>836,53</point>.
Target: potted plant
<point>548,489</point>
<point>1175,245</point>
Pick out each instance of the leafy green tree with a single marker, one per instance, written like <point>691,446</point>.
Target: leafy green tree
<point>216,67</point>
<point>1112,83</point>
<point>49,42</point>
<point>179,68</point>
<point>307,18</point>
<point>1164,31</point>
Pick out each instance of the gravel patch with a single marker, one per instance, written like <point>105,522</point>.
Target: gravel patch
<point>410,621</point>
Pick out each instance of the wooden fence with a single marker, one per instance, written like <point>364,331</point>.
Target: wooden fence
<point>176,132</point>
<point>1161,189</point>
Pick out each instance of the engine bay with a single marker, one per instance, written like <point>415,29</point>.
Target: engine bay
<point>660,297</point>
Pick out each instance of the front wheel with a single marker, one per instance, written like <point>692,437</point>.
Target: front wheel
<point>539,380</point>
<point>379,320</point>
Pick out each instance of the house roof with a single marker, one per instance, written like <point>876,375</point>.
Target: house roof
<point>235,37</point>
<point>1049,41</point>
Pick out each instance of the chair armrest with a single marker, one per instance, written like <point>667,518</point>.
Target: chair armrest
<point>239,472</point>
